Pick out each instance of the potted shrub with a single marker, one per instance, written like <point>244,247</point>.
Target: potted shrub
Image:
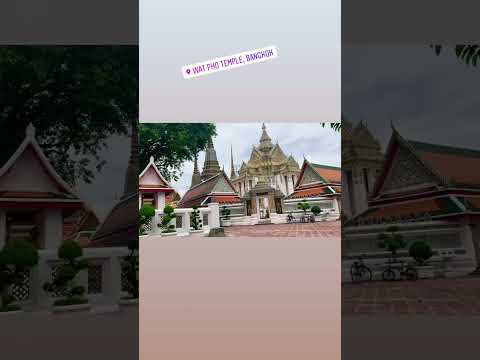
<point>15,258</point>
<point>195,220</point>
<point>392,241</point>
<point>63,282</point>
<point>146,214</point>
<point>226,217</point>
<point>165,224</point>
<point>130,267</point>
<point>421,251</point>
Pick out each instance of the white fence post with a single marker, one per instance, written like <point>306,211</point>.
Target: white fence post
<point>214,216</point>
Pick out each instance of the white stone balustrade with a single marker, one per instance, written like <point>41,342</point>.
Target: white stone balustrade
<point>212,212</point>
<point>110,260</point>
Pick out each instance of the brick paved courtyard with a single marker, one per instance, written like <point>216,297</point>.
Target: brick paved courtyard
<point>423,297</point>
<point>326,229</point>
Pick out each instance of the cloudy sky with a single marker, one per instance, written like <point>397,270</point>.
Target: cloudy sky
<point>176,33</point>
<point>107,188</point>
<point>428,98</point>
<point>317,144</point>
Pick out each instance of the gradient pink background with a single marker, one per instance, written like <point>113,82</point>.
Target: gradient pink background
<point>240,298</point>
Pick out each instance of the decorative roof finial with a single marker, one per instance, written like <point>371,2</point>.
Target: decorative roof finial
<point>152,159</point>
<point>30,131</point>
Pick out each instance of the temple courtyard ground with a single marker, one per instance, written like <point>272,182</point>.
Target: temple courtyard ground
<point>440,297</point>
<point>73,336</point>
<point>324,229</point>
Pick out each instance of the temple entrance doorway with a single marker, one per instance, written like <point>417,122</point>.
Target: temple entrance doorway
<point>263,206</point>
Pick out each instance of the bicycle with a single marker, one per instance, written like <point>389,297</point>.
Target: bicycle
<point>406,271</point>
<point>359,271</point>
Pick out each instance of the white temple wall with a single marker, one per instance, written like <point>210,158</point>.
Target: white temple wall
<point>51,228</point>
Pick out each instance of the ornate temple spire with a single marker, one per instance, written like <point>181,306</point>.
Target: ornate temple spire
<point>265,140</point>
<point>233,174</point>
<point>196,177</point>
<point>210,166</point>
<point>131,176</point>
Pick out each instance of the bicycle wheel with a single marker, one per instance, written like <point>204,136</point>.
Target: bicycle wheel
<point>411,274</point>
<point>354,273</point>
<point>388,275</point>
<point>366,273</point>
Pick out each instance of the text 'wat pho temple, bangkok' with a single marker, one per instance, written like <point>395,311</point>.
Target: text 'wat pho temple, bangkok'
<point>424,192</point>
<point>263,190</point>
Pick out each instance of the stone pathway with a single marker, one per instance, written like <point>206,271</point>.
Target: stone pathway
<point>326,229</point>
<point>460,296</point>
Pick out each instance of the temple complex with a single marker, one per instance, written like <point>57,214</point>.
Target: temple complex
<point>361,161</point>
<point>266,187</point>
<point>267,164</point>
<point>430,193</point>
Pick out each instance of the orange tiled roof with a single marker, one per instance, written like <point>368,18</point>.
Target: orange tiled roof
<point>330,173</point>
<point>309,192</point>
<point>226,199</point>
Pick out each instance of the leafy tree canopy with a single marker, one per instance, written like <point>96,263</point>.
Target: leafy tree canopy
<point>76,97</point>
<point>469,54</point>
<point>171,144</point>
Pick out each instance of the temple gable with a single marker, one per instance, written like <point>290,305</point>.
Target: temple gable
<point>406,171</point>
<point>28,174</point>
<point>222,186</point>
<point>310,176</point>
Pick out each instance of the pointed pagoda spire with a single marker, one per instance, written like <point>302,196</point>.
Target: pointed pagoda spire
<point>131,176</point>
<point>210,166</point>
<point>265,140</point>
<point>233,174</point>
<point>196,177</point>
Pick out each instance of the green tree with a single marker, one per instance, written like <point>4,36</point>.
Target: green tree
<point>75,96</point>
<point>171,144</point>
<point>70,253</point>
<point>392,241</point>
<point>168,216</point>
<point>15,258</point>
<point>195,218</point>
<point>337,126</point>
<point>468,54</point>
<point>303,205</point>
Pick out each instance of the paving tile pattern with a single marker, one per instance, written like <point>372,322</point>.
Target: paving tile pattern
<point>325,229</point>
<point>445,297</point>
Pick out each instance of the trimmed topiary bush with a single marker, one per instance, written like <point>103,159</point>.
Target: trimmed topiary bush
<point>195,220</point>
<point>168,216</point>
<point>420,251</point>
<point>64,281</point>
<point>146,214</point>
<point>392,241</point>
<point>316,210</point>
<point>303,205</point>
<point>15,257</point>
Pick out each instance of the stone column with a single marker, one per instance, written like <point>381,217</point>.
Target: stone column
<point>3,228</point>
<point>160,200</point>
<point>112,279</point>
<point>52,228</point>
<point>214,216</point>
<point>39,275</point>
<point>186,221</point>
